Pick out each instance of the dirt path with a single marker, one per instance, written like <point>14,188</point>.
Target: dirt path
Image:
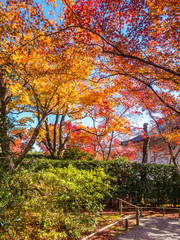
<point>153,229</point>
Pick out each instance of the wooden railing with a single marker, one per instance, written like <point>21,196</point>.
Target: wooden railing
<point>125,218</point>
<point>151,208</point>
<point>121,201</point>
<point>102,229</point>
<point>138,215</point>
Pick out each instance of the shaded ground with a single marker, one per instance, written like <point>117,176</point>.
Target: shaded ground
<point>153,229</point>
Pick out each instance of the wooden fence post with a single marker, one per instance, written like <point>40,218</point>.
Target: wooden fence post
<point>137,216</point>
<point>127,224</point>
<point>120,206</point>
<point>141,212</point>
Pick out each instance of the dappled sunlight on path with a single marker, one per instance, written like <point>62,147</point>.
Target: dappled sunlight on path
<point>153,229</point>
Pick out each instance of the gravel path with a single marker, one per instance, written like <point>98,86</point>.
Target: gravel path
<point>154,229</point>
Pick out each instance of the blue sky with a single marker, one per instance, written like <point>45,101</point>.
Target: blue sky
<point>49,7</point>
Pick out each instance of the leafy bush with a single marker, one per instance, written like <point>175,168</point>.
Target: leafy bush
<point>153,183</point>
<point>54,203</point>
<point>75,153</point>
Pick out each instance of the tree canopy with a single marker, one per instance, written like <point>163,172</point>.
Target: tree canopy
<point>91,60</point>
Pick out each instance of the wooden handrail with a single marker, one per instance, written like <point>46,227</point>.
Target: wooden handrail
<point>136,207</point>
<point>138,213</point>
<point>175,208</point>
<point>128,203</point>
<point>100,230</point>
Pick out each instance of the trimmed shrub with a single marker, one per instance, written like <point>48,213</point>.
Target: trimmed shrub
<point>154,184</point>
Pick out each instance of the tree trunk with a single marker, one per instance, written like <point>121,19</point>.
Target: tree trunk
<point>48,139</point>
<point>51,144</point>
<point>5,143</point>
<point>50,151</point>
<point>62,143</point>
<point>33,138</point>
<point>4,138</point>
<point>174,157</point>
<point>145,144</point>
<point>61,151</point>
<point>110,145</point>
<point>62,147</point>
<point>176,166</point>
<point>55,133</point>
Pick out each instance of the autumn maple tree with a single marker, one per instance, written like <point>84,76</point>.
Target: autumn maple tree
<point>58,129</point>
<point>67,130</point>
<point>16,31</point>
<point>138,46</point>
<point>108,125</point>
<point>138,39</point>
<point>38,69</point>
<point>23,61</point>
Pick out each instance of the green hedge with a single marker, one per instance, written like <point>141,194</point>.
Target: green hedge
<point>146,183</point>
